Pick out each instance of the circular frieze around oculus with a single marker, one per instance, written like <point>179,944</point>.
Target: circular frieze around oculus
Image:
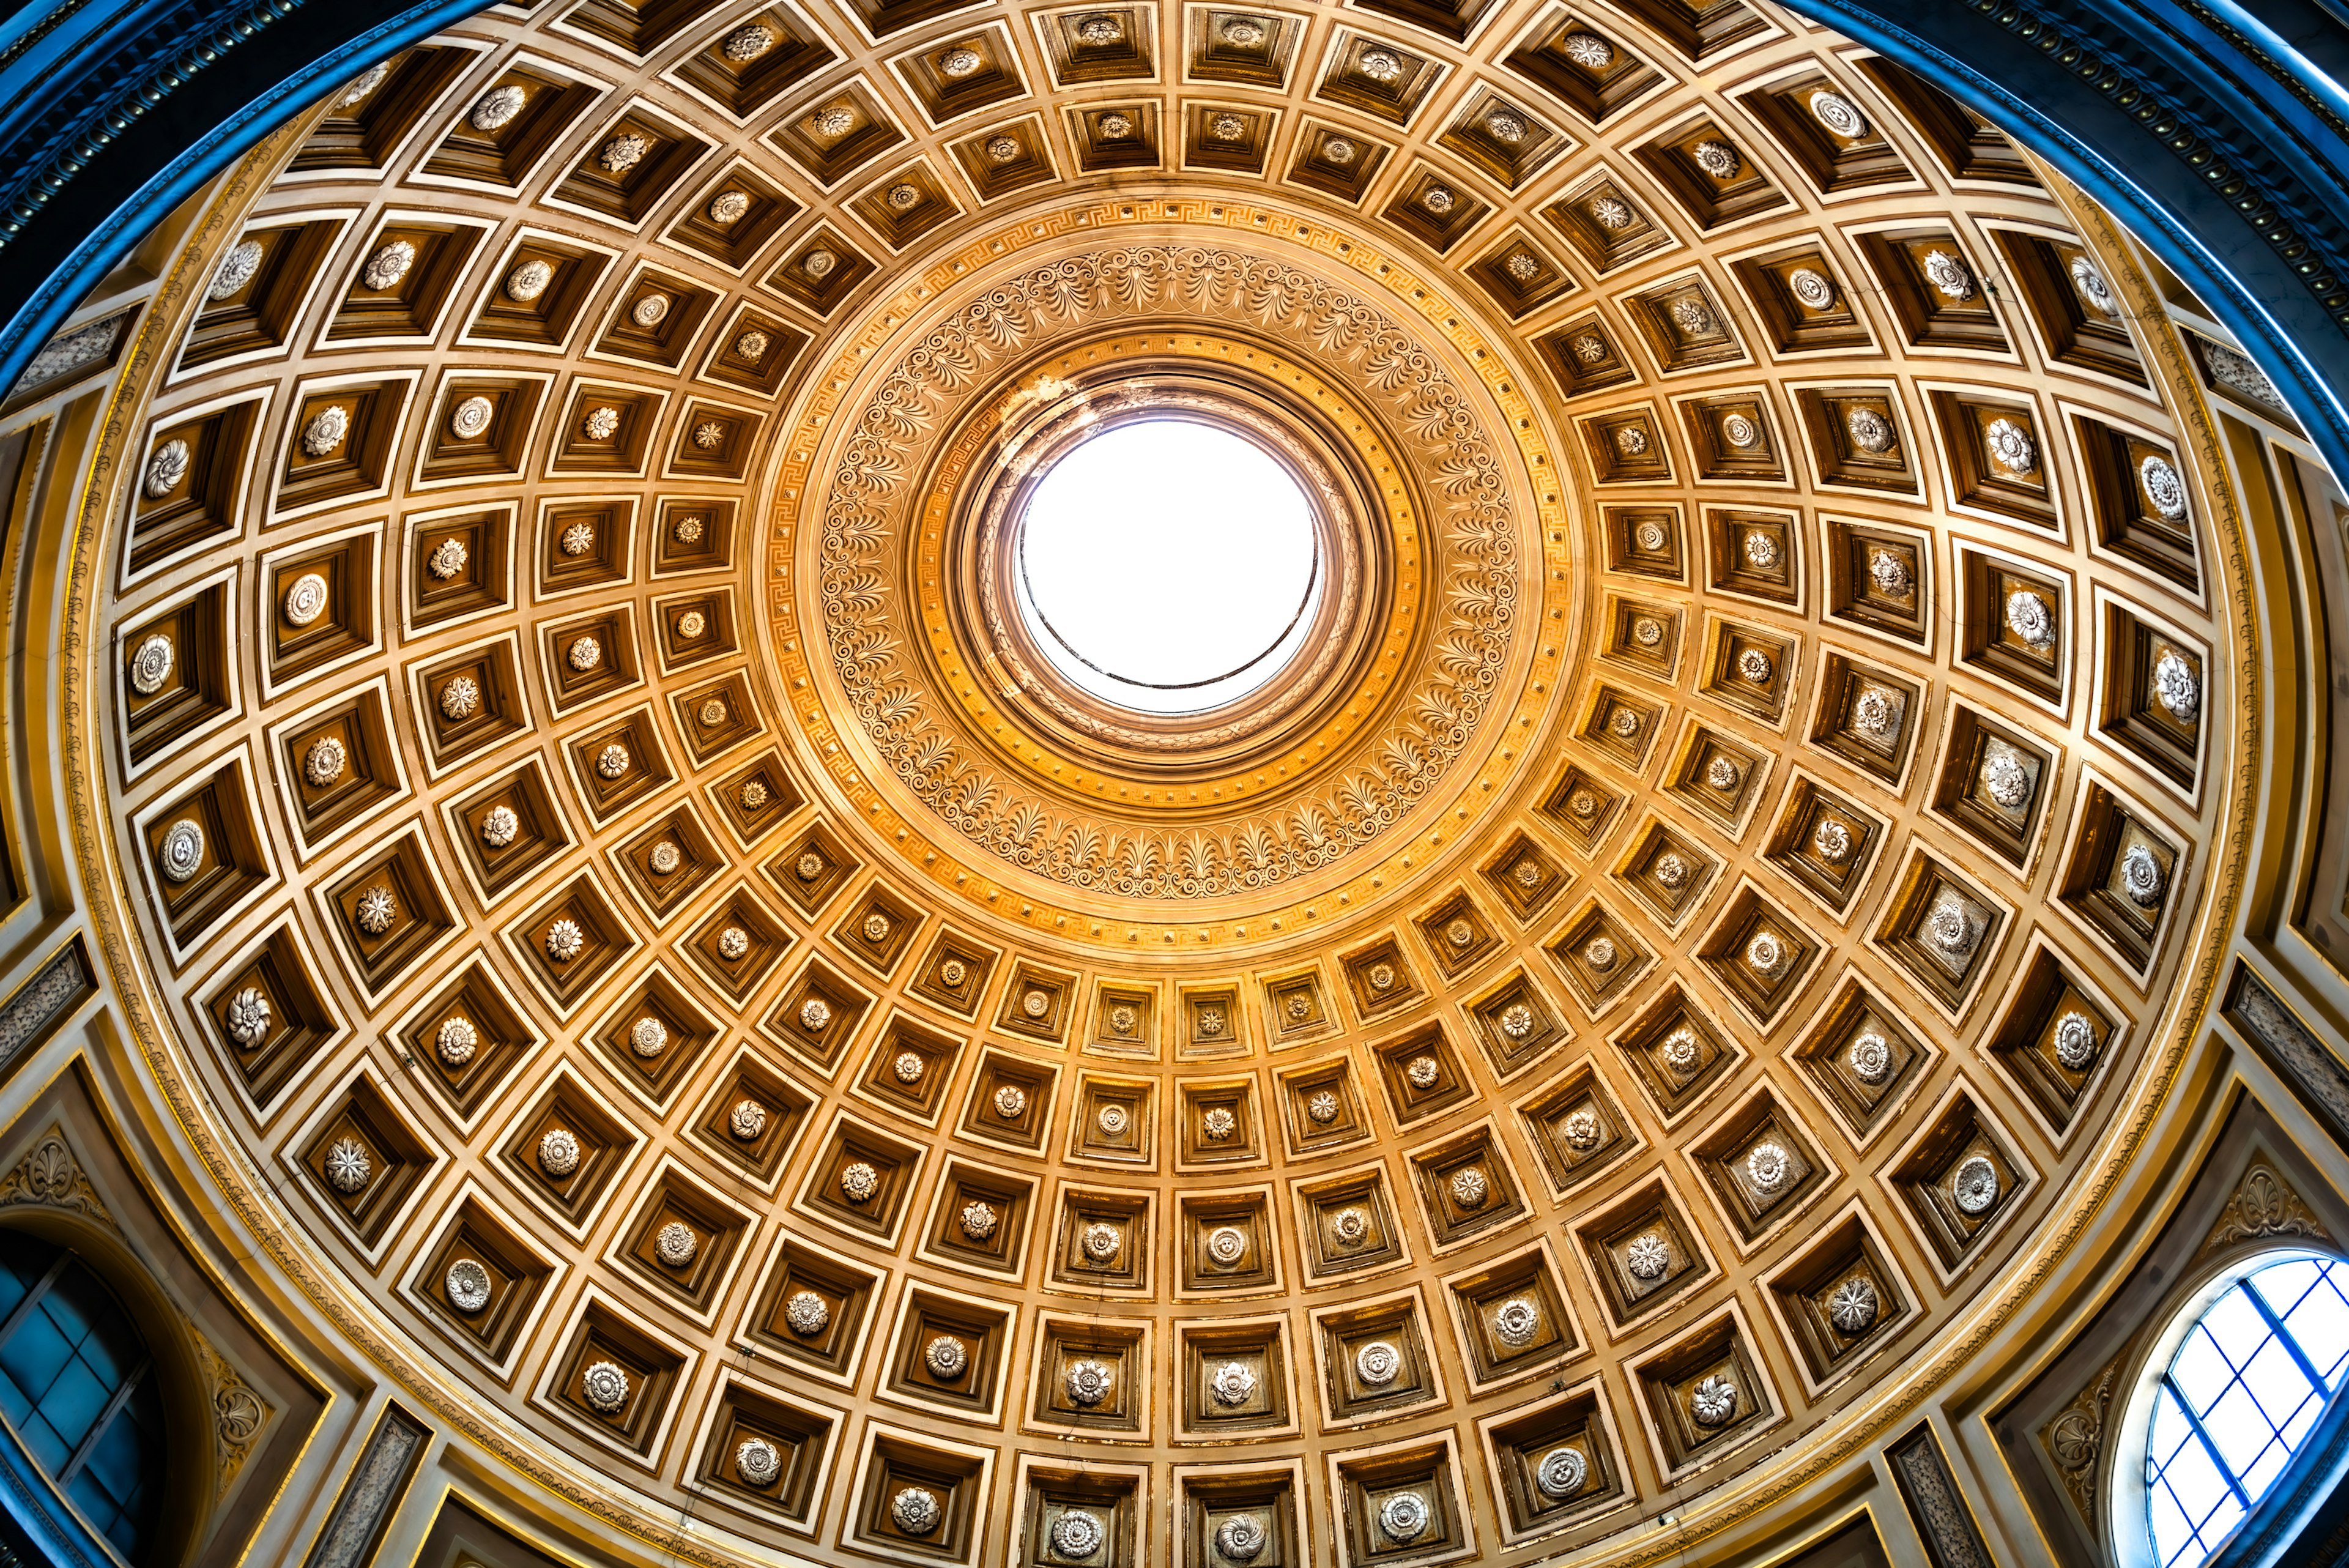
<point>1257,848</point>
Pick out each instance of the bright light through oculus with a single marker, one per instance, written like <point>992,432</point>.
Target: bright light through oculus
<point>1168,567</point>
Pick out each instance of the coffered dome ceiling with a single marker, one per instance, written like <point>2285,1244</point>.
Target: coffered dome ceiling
<point>707,1002</point>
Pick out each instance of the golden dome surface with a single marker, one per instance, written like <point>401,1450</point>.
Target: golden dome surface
<point>625,906</point>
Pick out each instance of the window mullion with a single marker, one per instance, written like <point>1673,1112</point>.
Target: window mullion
<point>2291,1346</point>
<point>33,1297</point>
<point>2210,1447</point>
<point>97,1428</point>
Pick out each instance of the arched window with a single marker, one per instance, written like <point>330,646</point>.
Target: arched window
<point>2255,1360</point>
<point>76,1386</point>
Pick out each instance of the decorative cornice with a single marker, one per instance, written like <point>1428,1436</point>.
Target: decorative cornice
<point>115,95</point>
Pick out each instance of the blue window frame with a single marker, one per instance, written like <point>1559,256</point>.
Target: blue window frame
<point>2238,1399</point>
<point>75,1387</point>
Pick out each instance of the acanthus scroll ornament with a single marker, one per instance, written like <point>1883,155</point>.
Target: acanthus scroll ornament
<point>2264,1205</point>
<point>50,1176</point>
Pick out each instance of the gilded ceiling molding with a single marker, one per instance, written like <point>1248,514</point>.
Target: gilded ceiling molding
<point>1478,500</point>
